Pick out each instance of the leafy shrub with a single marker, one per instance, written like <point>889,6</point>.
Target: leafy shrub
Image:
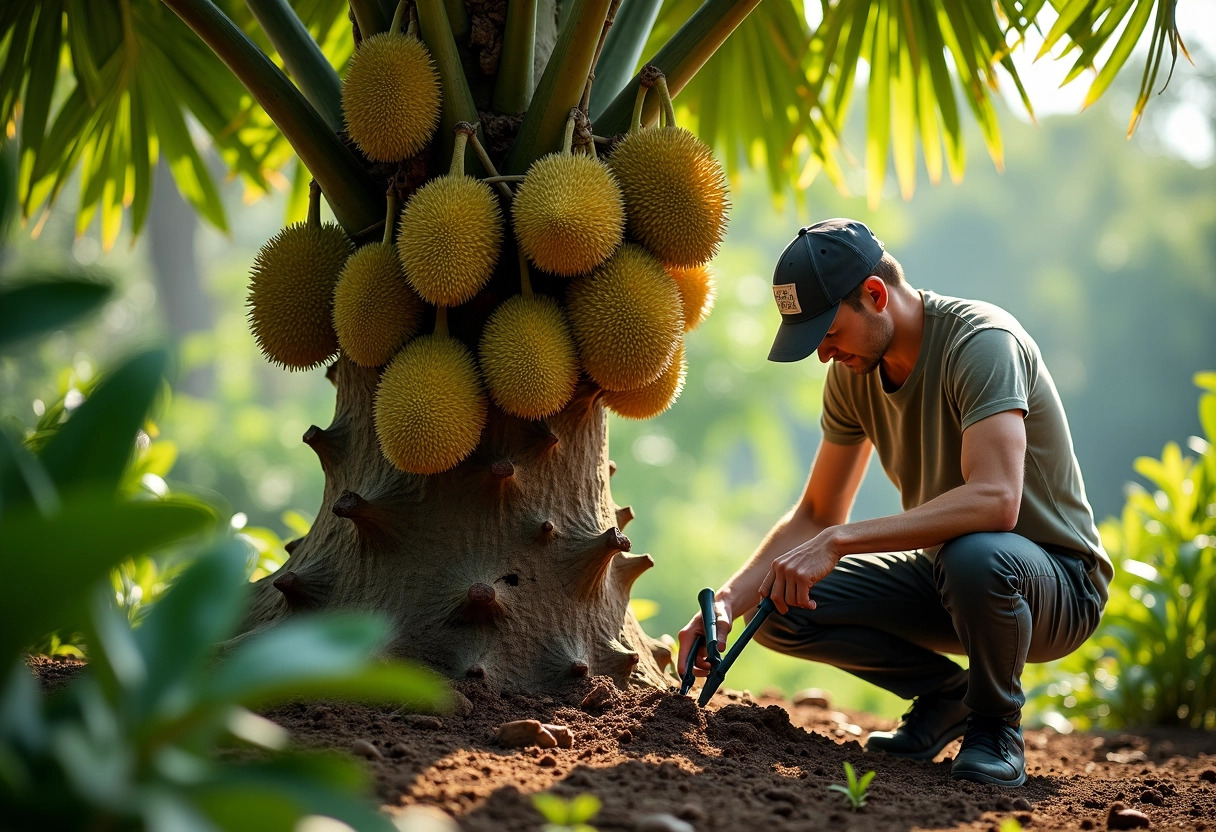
<point>1152,660</point>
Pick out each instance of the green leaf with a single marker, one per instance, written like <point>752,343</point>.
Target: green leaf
<point>1123,49</point>
<point>181,631</point>
<point>22,478</point>
<point>584,807</point>
<point>36,305</point>
<point>43,72</point>
<point>97,441</point>
<point>50,562</point>
<point>328,657</point>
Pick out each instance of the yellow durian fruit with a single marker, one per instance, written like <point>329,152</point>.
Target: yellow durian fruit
<point>568,212</point>
<point>653,399</point>
<point>528,357</point>
<point>391,97</point>
<point>626,318</point>
<point>697,293</point>
<point>291,294</point>
<point>675,194</point>
<point>449,238</point>
<point>375,311</point>
<point>430,408</point>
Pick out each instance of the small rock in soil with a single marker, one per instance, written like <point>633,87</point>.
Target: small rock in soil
<point>812,697</point>
<point>1022,804</point>
<point>663,823</point>
<point>1208,775</point>
<point>548,761</point>
<point>425,819</point>
<point>426,723</point>
<point>625,736</point>
<point>602,696</point>
<point>523,733</point>
<point>461,704</point>
<point>321,714</point>
<point>1121,817</point>
<point>562,734</point>
<point>365,749</point>
<point>1004,804</point>
<point>1087,823</point>
<point>1152,796</point>
<point>398,749</point>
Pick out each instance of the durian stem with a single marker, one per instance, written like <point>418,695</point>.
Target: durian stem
<point>370,18</point>
<point>314,204</point>
<point>412,29</point>
<point>395,26</point>
<point>435,28</point>
<point>585,104</point>
<point>495,178</point>
<point>462,141</point>
<point>568,137</point>
<point>525,277</point>
<point>636,124</point>
<point>669,112</point>
<point>390,216</point>
<point>511,177</point>
<point>441,321</point>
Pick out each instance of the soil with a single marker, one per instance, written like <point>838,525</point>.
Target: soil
<point>743,761</point>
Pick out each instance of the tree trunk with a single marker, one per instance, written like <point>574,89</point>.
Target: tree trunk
<point>511,566</point>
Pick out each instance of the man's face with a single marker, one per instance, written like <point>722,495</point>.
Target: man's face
<point>857,339</point>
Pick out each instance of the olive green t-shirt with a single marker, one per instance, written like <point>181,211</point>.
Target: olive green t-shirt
<point>975,360</point>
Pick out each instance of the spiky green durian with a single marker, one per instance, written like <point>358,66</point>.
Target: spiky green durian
<point>528,357</point>
<point>627,319</point>
<point>653,399</point>
<point>430,407</point>
<point>568,212</point>
<point>291,294</point>
<point>675,194</point>
<point>697,293</point>
<point>391,97</point>
<point>450,235</point>
<point>375,311</point>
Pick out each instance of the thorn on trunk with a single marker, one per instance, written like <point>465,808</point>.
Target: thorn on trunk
<point>476,672</point>
<point>596,559</point>
<point>299,594</point>
<point>619,662</point>
<point>368,517</point>
<point>627,569</point>
<point>549,441</point>
<point>331,373</point>
<point>623,515</point>
<point>291,545</point>
<point>546,530</point>
<point>324,443</point>
<point>349,504</point>
<point>481,605</point>
<point>502,470</point>
<point>578,669</point>
<point>611,467</point>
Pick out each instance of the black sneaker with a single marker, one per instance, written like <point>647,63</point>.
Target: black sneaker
<point>992,752</point>
<point>932,723</point>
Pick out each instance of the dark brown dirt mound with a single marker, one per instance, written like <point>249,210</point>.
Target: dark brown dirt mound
<point>742,763</point>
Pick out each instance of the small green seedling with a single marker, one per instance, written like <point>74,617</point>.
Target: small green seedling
<point>567,815</point>
<point>856,790</point>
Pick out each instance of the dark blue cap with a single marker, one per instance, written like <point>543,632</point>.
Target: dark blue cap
<point>816,271</point>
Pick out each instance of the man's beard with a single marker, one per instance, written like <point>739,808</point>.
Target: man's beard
<point>879,333</point>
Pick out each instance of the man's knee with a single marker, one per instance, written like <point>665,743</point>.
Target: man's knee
<point>973,564</point>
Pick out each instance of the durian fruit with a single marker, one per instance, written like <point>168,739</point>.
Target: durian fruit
<point>653,399</point>
<point>528,356</point>
<point>626,319</point>
<point>568,212</point>
<point>697,294</point>
<point>391,96</point>
<point>450,234</point>
<point>430,407</point>
<point>375,311</point>
<point>291,291</point>
<point>675,191</point>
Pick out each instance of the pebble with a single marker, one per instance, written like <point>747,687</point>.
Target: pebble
<point>522,733</point>
<point>365,749</point>
<point>663,823</point>
<point>426,723</point>
<point>424,819</point>
<point>562,734</point>
<point>1208,775</point>
<point>548,761</point>
<point>812,697</point>
<point>1152,796</point>
<point>1121,817</point>
<point>398,749</point>
<point>1022,804</point>
<point>625,736</point>
<point>461,704</point>
<point>601,696</point>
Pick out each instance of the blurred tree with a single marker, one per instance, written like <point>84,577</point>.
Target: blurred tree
<point>510,571</point>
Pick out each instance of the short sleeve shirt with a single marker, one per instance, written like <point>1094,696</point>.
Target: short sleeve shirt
<point>975,361</point>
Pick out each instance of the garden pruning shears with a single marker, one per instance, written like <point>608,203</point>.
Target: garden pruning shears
<point>718,664</point>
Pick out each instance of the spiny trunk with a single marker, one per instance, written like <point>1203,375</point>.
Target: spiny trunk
<point>512,566</point>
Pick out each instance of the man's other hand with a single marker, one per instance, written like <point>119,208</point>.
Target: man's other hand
<point>696,627</point>
<point>790,578</point>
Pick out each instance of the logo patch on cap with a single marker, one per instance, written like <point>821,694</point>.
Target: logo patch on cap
<point>786,296</point>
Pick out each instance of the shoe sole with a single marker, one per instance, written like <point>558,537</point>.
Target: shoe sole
<point>947,738</point>
<point>978,777</point>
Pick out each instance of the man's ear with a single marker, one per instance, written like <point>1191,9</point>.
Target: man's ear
<point>876,288</point>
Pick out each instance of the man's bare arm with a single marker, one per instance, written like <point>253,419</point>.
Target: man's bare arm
<point>993,459</point>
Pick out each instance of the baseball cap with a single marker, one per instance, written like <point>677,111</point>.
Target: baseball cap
<point>818,268</point>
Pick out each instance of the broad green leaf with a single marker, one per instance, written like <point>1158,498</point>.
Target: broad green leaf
<point>23,479</point>
<point>96,443</point>
<point>327,657</point>
<point>31,304</point>
<point>1123,49</point>
<point>49,563</point>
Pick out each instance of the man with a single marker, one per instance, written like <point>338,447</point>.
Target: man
<point>995,555</point>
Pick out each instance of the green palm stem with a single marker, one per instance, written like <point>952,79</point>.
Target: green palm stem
<point>348,188</point>
<point>679,59</point>
<point>494,177</point>
<point>458,18</point>
<point>390,216</point>
<point>513,89</point>
<point>458,103</point>
<point>622,50</point>
<point>370,17</point>
<point>561,86</point>
<point>308,66</point>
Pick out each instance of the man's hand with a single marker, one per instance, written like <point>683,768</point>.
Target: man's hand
<point>723,619</point>
<point>792,575</point>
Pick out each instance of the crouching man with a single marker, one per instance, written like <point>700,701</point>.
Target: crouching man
<point>995,556</point>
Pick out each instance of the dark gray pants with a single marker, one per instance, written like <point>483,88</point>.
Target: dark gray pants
<point>997,598</point>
